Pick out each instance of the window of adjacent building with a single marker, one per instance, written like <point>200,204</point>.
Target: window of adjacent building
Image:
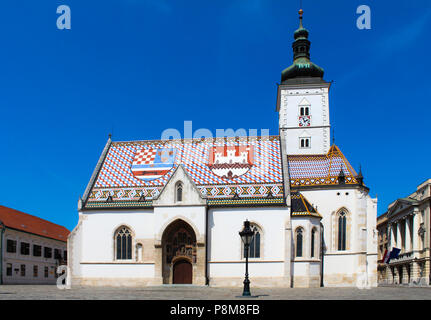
<point>23,270</point>
<point>47,252</point>
<point>11,246</point>
<point>35,271</point>
<point>342,219</point>
<point>37,250</point>
<point>123,245</point>
<point>422,237</point>
<point>9,269</point>
<point>57,254</point>
<point>305,143</point>
<point>65,255</point>
<point>403,237</point>
<point>46,272</point>
<point>25,248</point>
<point>299,241</point>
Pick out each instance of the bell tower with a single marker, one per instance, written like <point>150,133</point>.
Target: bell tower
<point>302,101</point>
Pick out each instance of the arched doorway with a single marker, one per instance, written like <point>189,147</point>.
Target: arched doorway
<point>179,253</point>
<point>182,272</point>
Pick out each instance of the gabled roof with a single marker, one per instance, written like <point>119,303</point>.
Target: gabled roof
<point>18,220</point>
<point>225,171</point>
<point>320,169</point>
<point>401,204</point>
<point>301,207</point>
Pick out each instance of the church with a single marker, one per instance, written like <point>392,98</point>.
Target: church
<point>169,211</point>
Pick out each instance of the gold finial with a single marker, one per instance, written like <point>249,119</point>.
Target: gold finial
<point>300,17</point>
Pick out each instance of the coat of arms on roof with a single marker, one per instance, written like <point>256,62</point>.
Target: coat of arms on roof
<point>229,162</point>
<point>152,163</point>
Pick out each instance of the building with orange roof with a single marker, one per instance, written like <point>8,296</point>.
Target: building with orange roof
<point>30,248</point>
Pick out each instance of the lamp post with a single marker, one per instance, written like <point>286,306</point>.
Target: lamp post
<point>247,235</point>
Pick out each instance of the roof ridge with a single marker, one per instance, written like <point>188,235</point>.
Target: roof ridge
<point>31,215</point>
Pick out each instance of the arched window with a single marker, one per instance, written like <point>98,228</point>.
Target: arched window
<point>179,192</point>
<point>255,244</point>
<point>299,241</point>
<point>313,239</point>
<point>123,246</point>
<point>342,230</point>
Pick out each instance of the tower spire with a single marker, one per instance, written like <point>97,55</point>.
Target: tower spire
<point>301,12</point>
<point>302,67</point>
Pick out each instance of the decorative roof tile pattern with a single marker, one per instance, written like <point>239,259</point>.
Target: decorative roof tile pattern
<point>322,169</point>
<point>301,207</point>
<point>230,168</point>
<point>15,219</point>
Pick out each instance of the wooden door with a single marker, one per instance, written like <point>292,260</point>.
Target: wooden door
<point>182,272</point>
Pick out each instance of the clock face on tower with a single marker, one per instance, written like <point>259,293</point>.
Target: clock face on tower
<point>305,121</point>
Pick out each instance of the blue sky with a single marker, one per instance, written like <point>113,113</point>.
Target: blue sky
<point>138,67</point>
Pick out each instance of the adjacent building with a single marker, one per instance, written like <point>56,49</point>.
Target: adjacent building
<point>406,226</point>
<point>30,248</point>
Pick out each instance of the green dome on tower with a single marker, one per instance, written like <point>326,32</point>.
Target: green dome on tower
<point>302,67</point>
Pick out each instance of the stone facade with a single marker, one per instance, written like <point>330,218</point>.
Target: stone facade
<point>406,226</point>
<point>30,267</point>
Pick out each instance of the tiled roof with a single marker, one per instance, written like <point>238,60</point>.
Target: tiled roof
<point>133,173</point>
<point>14,219</point>
<point>301,207</point>
<point>322,169</point>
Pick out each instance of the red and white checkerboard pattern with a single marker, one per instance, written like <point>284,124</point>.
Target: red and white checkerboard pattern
<point>145,156</point>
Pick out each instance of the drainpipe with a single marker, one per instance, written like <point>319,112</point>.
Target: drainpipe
<point>207,279</point>
<point>322,254</point>
<point>1,251</point>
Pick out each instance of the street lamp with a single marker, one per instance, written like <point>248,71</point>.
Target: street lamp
<point>247,235</point>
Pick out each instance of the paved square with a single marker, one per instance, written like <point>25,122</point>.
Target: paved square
<point>51,292</point>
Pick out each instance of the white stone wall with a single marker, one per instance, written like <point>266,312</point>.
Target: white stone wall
<point>92,244</point>
<point>342,268</point>
<point>306,270</point>
<point>289,112</point>
<point>226,265</point>
<point>17,259</point>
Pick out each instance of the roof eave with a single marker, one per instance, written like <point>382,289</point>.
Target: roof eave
<point>96,172</point>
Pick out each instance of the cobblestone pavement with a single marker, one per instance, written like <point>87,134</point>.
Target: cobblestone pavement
<point>51,292</point>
